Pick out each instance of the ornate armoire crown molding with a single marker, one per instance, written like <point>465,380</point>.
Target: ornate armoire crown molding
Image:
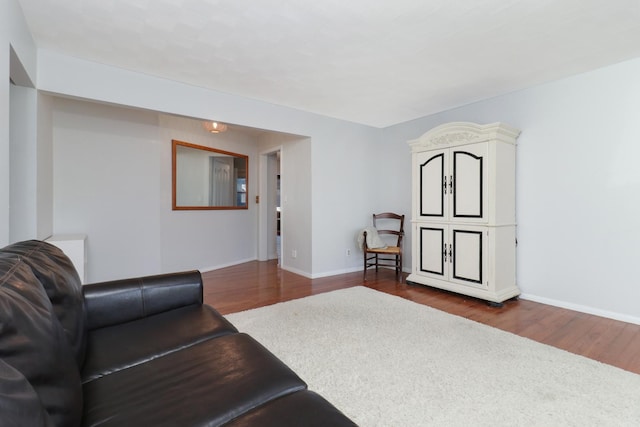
<point>461,133</point>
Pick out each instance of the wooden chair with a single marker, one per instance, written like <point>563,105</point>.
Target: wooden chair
<point>391,256</point>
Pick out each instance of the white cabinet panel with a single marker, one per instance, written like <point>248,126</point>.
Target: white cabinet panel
<point>468,249</point>
<point>432,188</point>
<point>432,251</point>
<point>469,182</point>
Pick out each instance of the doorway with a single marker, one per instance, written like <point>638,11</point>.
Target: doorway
<point>270,222</point>
<point>278,217</point>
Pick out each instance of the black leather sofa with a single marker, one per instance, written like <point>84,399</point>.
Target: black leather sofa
<point>135,352</point>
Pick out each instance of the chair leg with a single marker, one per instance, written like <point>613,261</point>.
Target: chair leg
<point>364,273</point>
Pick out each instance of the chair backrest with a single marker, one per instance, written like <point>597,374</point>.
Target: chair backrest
<point>388,220</point>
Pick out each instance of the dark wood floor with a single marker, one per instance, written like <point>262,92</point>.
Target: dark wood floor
<point>256,284</point>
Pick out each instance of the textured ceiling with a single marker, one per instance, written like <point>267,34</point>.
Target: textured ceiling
<point>376,62</point>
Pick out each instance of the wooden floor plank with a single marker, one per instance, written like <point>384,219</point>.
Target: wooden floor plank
<point>256,284</point>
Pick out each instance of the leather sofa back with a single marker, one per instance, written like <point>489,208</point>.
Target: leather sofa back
<point>56,273</point>
<point>19,402</point>
<point>124,300</point>
<point>39,376</point>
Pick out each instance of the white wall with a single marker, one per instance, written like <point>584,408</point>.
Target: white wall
<point>328,216</point>
<point>17,52</point>
<point>112,182</point>
<point>205,239</point>
<point>328,184</point>
<point>344,196</point>
<point>44,162</point>
<point>296,209</point>
<point>577,184</point>
<point>107,178</point>
<point>4,129</point>
<point>295,199</point>
<point>23,171</point>
<point>31,171</point>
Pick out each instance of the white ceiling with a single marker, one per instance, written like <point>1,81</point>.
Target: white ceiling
<point>375,62</point>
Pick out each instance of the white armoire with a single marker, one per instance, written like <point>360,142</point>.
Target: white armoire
<point>463,210</point>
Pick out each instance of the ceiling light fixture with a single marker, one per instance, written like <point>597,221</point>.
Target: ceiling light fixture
<point>214,127</point>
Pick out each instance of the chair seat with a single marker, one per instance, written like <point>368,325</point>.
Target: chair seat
<point>391,250</point>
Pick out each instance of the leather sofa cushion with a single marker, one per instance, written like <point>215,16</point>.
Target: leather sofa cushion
<point>113,348</point>
<point>209,383</point>
<point>60,280</point>
<point>303,408</point>
<point>33,342</point>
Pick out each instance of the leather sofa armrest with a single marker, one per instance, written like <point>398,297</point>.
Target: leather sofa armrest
<point>121,301</point>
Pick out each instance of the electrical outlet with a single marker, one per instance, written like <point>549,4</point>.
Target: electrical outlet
<point>348,252</point>
<point>294,253</point>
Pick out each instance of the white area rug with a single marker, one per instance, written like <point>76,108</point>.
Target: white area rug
<point>386,361</point>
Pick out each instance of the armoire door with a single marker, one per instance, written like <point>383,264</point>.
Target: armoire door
<point>468,255</point>
<point>433,188</point>
<point>432,251</point>
<point>468,179</point>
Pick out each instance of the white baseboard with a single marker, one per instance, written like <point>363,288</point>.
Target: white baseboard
<point>583,308</point>
<point>230,264</point>
<point>336,272</point>
<point>348,270</point>
<point>296,271</point>
<point>284,267</point>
